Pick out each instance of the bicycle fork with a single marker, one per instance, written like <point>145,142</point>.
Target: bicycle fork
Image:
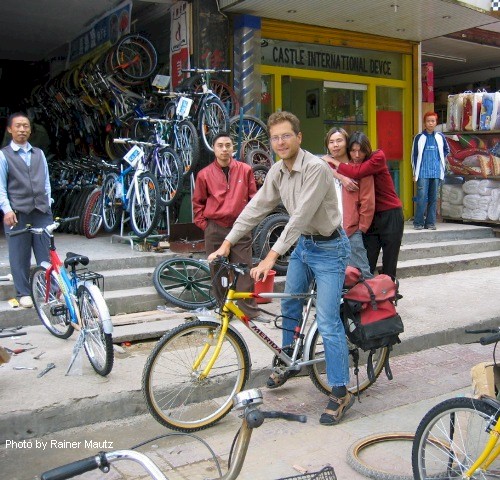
<point>489,454</point>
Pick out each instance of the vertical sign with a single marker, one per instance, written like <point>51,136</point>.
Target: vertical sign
<point>179,41</point>
<point>390,133</point>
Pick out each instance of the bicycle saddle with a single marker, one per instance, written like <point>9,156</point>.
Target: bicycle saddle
<point>73,259</point>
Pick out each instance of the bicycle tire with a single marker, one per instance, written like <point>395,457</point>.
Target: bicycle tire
<point>111,211</point>
<point>98,344</point>
<point>318,374</point>
<point>134,58</point>
<point>357,463</point>
<point>184,282</point>
<point>437,453</point>
<point>223,91</point>
<point>265,235</point>
<point>213,119</point>
<point>259,157</point>
<point>175,396</point>
<point>260,173</point>
<point>168,169</point>
<point>145,205</point>
<point>92,216</point>
<point>58,325</point>
<point>187,144</point>
<point>247,127</point>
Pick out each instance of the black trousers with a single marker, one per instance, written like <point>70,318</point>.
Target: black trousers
<point>385,233</point>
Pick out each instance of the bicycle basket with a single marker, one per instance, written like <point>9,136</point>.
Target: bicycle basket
<point>326,473</point>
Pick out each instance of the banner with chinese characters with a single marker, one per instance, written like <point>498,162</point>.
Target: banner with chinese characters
<point>180,21</point>
<point>106,30</point>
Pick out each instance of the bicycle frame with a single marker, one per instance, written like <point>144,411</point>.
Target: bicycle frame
<point>230,309</point>
<point>66,283</point>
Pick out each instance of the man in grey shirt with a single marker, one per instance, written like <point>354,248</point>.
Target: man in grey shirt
<point>24,199</point>
<point>305,185</point>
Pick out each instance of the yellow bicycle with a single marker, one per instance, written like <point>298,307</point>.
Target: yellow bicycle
<point>194,371</point>
<point>458,438</point>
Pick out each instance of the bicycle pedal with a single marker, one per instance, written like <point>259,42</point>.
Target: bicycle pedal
<point>58,310</point>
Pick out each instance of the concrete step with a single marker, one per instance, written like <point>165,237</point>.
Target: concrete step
<point>446,248</point>
<point>446,232</point>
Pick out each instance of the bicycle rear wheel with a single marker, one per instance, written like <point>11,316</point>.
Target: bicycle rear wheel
<point>145,205</point>
<point>185,282</point>
<point>53,313</point>
<point>134,58</point>
<point>317,371</point>
<point>186,143</point>
<point>450,438</point>
<point>213,120</point>
<point>175,394</point>
<point>98,344</point>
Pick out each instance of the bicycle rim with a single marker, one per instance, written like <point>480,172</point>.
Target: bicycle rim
<point>174,392</point>
<point>98,345</point>
<point>318,370</point>
<point>450,438</point>
<point>145,211</point>
<point>185,283</point>
<point>59,325</point>
<point>168,170</point>
<point>356,460</point>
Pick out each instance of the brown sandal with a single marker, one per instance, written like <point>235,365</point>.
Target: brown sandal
<point>332,417</point>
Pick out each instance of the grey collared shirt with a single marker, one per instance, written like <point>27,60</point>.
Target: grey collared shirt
<point>308,194</point>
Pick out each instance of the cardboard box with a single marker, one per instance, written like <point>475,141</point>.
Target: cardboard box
<point>485,376</point>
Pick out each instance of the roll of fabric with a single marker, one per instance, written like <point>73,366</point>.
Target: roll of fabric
<point>451,210</point>
<point>471,186</point>
<point>478,202</point>
<point>452,194</point>
<point>494,208</point>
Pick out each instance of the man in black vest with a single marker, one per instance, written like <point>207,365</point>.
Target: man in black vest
<point>24,199</point>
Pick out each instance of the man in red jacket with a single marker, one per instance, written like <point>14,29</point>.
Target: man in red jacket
<point>222,191</point>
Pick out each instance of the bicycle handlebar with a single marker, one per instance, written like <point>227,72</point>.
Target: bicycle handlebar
<point>73,469</point>
<point>490,339</point>
<point>291,417</point>
<point>38,230</point>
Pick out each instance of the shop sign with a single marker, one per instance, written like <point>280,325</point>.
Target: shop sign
<point>331,59</point>
<point>108,28</point>
<point>180,20</point>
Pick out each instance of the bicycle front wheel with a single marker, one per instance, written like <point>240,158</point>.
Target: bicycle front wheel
<point>92,215</point>
<point>176,395</point>
<point>98,344</point>
<point>317,371</point>
<point>450,438</point>
<point>52,312</point>
<point>213,120</point>
<point>185,282</point>
<point>187,144</point>
<point>111,205</point>
<point>145,205</point>
<point>168,169</point>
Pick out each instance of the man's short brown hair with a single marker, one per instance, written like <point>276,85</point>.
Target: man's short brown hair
<point>280,117</point>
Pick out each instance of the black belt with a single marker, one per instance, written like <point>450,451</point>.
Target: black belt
<point>322,238</point>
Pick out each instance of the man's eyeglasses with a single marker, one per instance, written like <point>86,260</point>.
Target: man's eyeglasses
<point>285,137</point>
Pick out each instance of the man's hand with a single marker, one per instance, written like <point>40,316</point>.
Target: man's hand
<point>10,219</point>
<point>222,251</point>
<point>260,272</point>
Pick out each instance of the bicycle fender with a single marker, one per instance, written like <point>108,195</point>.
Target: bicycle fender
<point>308,340</point>
<point>107,326</point>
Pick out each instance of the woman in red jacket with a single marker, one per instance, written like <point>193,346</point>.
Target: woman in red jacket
<point>386,230</point>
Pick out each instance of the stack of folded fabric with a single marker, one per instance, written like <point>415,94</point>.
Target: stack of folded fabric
<point>452,197</point>
<point>481,201</point>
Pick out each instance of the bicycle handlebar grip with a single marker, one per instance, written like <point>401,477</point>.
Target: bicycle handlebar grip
<point>491,339</point>
<point>482,330</point>
<point>72,469</point>
<point>292,417</point>
<point>15,233</point>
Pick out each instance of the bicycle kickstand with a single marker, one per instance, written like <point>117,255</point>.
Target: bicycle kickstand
<point>76,350</point>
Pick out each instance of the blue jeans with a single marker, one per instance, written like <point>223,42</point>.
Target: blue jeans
<point>427,191</point>
<point>358,256</point>
<point>326,262</point>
